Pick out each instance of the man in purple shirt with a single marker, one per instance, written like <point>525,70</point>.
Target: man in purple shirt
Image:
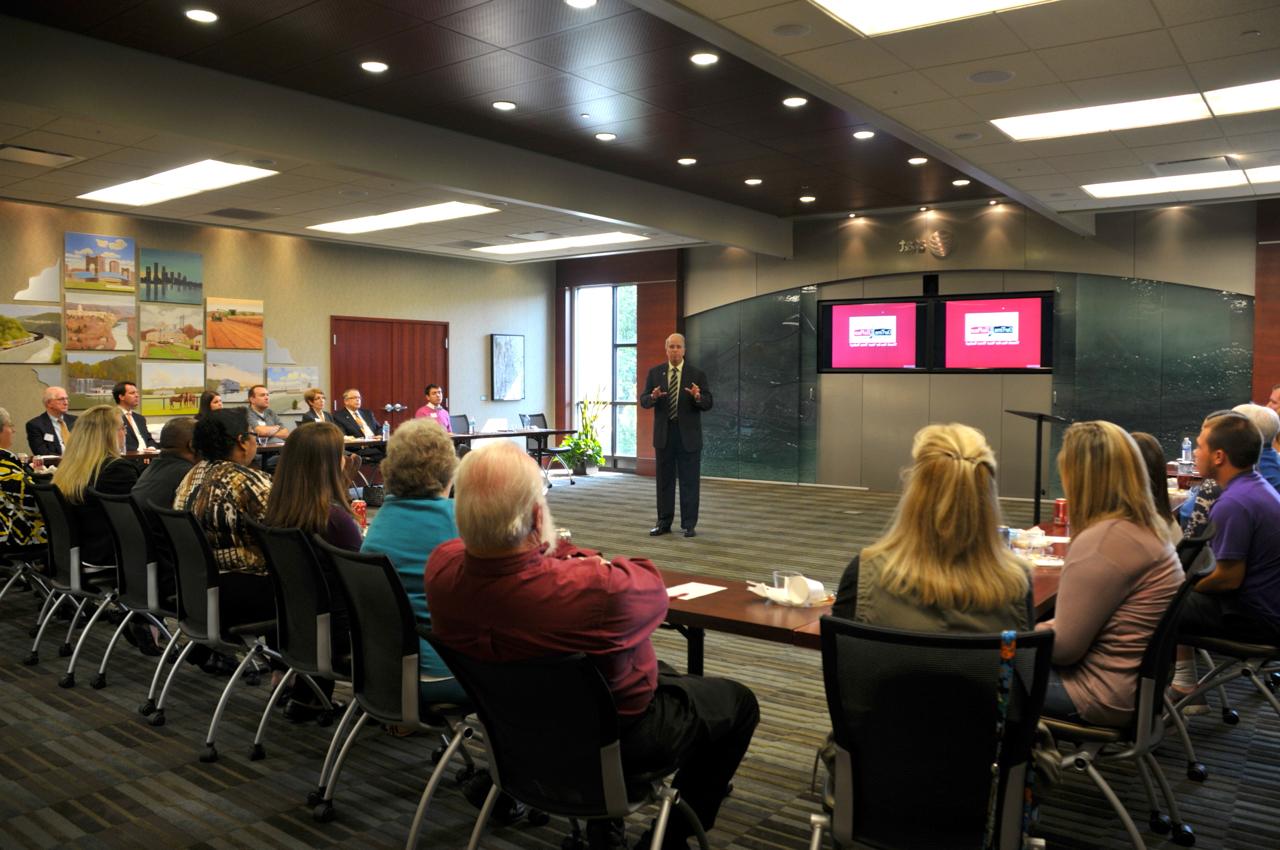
<point>501,594</point>
<point>434,408</point>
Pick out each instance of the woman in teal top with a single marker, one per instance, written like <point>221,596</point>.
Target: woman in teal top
<point>416,517</point>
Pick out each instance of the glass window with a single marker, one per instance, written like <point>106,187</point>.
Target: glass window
<point>625,313</point>
<point>604,362</point>
<point>624,385</point>
<point>626,416</point>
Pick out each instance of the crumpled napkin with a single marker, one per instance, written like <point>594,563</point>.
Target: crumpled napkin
<point>778,595</point>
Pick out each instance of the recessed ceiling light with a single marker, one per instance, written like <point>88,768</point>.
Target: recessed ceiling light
<point>1102,119</point>
<point>190,179</point>
<point>967,136</point>
<point>704,58</point>
<point>503,105</point>
<point>960,182</point>
<point>807,199</point>
<point>264,162</point>
<point>584,114</point>
<point>1254,97</point>
<point>1265,174</point>
<point>991,77</point>
<point>753,181</point>
<point>687,160</point>
<point>918,160</point>
<point>404,218</point>
<point>863,135</point>
<point>589,241</point>
<point>853,215</point>
<point>201,16</point>
<point>606,137</point>
<point>792,30</point>
<point>924,209</point>
<point>993,203</point>
<point>874,17</point>
<point>794,102</point>
<point>1161,185</point>
<point>374,67</point>
<point>580,4</point>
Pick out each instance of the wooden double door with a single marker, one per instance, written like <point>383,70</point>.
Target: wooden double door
<point>390,361</point>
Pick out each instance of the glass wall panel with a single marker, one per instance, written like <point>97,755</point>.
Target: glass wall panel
<point>626,314</point>
<point>624,384</point>
<point>626,416</point>
<point>808,432</point>
<point>713,341</point>
<point>769,388</point>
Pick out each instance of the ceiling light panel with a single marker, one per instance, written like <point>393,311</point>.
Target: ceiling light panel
<point>405,218</point>
<point>876,17</point>
<point>1165,185</point>
<point>1103,119</point>
<point>1266,174</point>
<point>566,242</point>
<point>1254,97</point>
<point>203,176</point>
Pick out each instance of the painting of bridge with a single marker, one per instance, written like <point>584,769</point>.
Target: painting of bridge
<point>233,323</point>
<point>171,331</point>
<point>91,375</point>
<point>30,333</point>
<point>97,321</point>
<point>171,389</point>
<point>102,263</point>
<point>174,277</point>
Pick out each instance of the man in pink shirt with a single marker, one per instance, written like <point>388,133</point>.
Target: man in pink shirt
<point>434,408</point>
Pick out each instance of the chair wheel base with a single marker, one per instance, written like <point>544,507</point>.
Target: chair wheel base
<point>464,774</point>
<point>1183,835</point>
<point>31,660</point>
<point>252,679</point>
<point>98,682</point>
<point>257,753</point>
<point>324,719</point>
<point>68,680</point>
<point>537,817</point>
<point>1197,772</point>
<point>323,813</point>
<point>437,754</point>
<point>572,482</point>
<point>1272,681</point>
<point>1161,824</point>
<point>1230,716</point>
<point>148,708</point>
<point>314,798</point>
<point>64,651</point>
<point>210,754</point>
<point>157,719</point>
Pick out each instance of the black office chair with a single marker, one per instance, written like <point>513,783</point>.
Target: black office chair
<point>142,586</point>
<point>460,423</point>
<point>551,729</point>
<point>25,566</point>
<point>71,579</point>
<point>384,674</point>
<point>1135,741</point>
<point>915,727</point>
<point>200,614</point>
<point>540,449</point>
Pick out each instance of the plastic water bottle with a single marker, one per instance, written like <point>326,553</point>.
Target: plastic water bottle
<point>1186,461</point>
<point>386,433</point>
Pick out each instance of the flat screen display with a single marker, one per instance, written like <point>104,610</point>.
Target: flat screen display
<point>1007,333</point>
<point>872,336</point>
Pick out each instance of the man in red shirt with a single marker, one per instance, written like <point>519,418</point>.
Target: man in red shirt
<point>501,594</point>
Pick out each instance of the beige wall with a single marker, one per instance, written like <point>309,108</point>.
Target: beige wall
<point>302,284</point>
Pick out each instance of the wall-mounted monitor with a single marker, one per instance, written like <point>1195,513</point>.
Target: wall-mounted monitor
<point>884,335</point>
<point>1010,332</point>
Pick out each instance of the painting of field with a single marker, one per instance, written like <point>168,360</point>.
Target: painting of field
<point>171,389</point>
<point>96,321</point>
<point>102,263</point>
<point>91,375</point>
<point>171,332</point>
<point>30,334</point>
<point>233,323</point>
<point>231,373</point>
<point>174,277</point>
<point>288,383</point>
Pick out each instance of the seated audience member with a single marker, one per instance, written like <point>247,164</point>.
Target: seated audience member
<point>1194,513</point>
<point>942,566</point>
<point>1267,422</point>
<point>209,400</point>
<point>1273,401</point>
<point>359,423</point>
<point>416,517</point>
<point>221,491</point>
<point>1153,459</point>
<point>500,594</point>
<point>20,521</point>
<point>315,411</point>
<point>434,408</point>
<point>309,491</point>
<point>159,480</point>
<point>1120,575</point>
<point>93,460</point>
<point>47,434</point>
<point>137,437</point>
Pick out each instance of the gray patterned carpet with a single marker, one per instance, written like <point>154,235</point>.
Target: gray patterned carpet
<point>80,768</point>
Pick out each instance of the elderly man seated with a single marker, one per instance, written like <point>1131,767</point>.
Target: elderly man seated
<point>500,593</point>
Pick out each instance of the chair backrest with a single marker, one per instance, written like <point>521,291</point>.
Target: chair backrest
<point>1190,550</point>
<point>1154,673</point>
<point>533,420</point>
<point>197,572</point>
<point>524,420</point>
<point>61,536</point>
<point>384,644</point>
<point>551,729</point>
<point>303,602</point>
<point>460,423</point>
<point>137,571</point>
<point>914,719</point>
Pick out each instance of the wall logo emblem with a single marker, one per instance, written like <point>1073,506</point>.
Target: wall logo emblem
<point>939,243</point>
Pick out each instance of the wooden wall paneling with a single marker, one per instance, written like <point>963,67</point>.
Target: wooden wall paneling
<point>1266,305</point>
<point>657,316</point>
<point>419,357</point>
<point>389,360</point>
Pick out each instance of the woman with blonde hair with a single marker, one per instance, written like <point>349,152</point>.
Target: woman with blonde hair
<point>941,566</point>
<point>1119,577</point>
<point>93,461</point>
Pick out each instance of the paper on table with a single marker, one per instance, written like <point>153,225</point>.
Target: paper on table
<point>692,590</point>
<point>1052,540</point>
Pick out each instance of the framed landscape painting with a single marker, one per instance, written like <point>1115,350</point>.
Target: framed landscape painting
<point>30,333</point>
<point>174,277</point>
<point>507,367</point>
<point>171,389</point>
<point>97,321</point>
<point>231,373</point>
<point>171,332</point>
<point>288,383</point>
<point>91,375</point>
<point>233,323</point>
<point>102,263</point>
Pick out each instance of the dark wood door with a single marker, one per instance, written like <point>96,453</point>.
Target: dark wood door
<point>391,361</point>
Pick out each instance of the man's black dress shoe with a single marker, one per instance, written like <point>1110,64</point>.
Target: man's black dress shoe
<point>658,530</point>
<point>689,532</point>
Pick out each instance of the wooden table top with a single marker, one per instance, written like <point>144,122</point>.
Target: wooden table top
<point>736,610</point>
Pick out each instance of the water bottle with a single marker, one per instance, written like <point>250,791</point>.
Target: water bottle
<point>1186,462</point>
<point>386,432</point>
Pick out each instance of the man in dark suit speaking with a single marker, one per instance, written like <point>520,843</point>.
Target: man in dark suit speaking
<point>678,394</point>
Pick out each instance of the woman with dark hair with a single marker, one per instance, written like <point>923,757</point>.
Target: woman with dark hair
<point>209,401</point>
<point>1153,459</point>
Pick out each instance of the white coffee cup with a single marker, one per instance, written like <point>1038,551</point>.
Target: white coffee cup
<point>801,590</point>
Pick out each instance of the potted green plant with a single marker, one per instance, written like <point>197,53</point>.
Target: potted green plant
<point>584,452</point>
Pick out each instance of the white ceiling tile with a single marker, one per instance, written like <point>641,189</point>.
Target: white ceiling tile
<point>1110,56</point>
<point>1110,175</point>
<point>1041,182</point>
<point>1102,159</point>
<point>938,113</point>
<point>1053,24</point>
<point>45,141</point>
<point>97,132</point>
<point>1021,168</point>
<point>1189,131</point>
<point>8,131</point>
<point>1236,70</point>
<point>1255,142</point>
<point>327,172</point>
<point>1092,143</point>
<point>1255,122</point>
<point>1257,159</point>
<point>118,172</point>
<point>1023,101</point>
<point>1222,37</point>
<point>716,9</point>
<point>1059,194</point>
<point>1183,150</point>
<point>986,135</point>
<point>1139,85</point>
<point>895,90</point>
<point>758,27</point>
<point>25,116</point>
<point>1000,152</point>
<point>76,184</point>
<point>1026,68</point>
<point>186,148</point>
<point>857,59</point>
<point>959,41</point>
<point>153,161</point>
<point>20,169</point>
<point>1177,12</point>
<point>38,190</point>
<point>1215,194</point>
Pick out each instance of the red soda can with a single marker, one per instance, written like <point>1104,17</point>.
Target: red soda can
<point>1060,511</point>
<point>361,510</point>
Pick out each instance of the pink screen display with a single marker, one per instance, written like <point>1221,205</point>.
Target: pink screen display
<point>997,333</point>
<point>873,336</point>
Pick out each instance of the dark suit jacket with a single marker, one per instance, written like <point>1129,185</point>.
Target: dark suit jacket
<point>688,414</point>
<point>41,425</point>
<point>131,442</point>
<point>310,416</point>
<point>345,420</point>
